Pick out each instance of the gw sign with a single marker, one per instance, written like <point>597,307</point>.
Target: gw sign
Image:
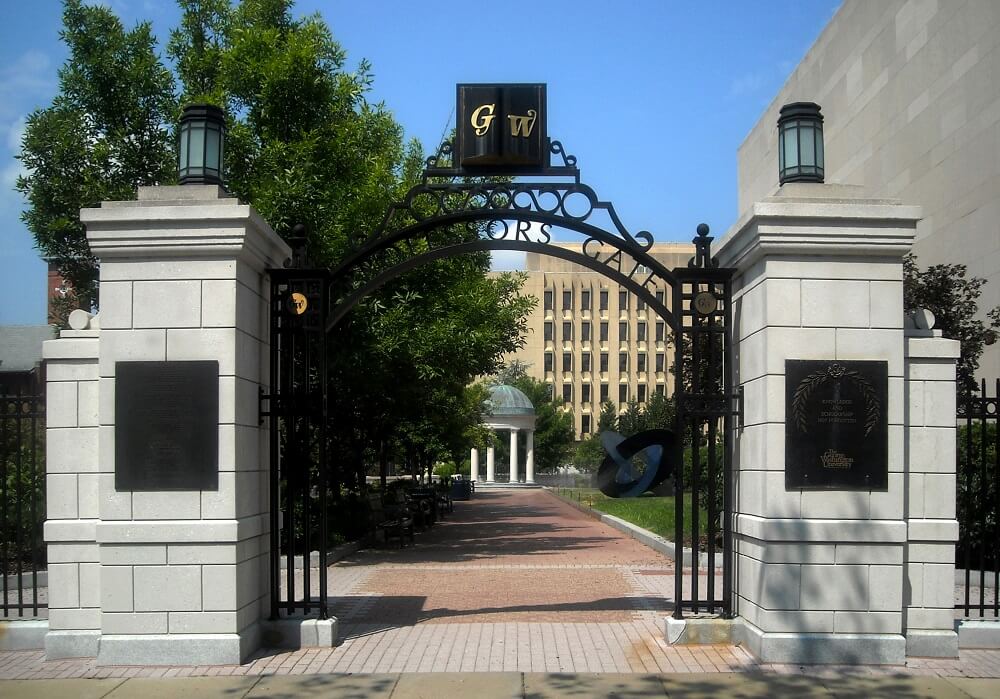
<point>501,127</point>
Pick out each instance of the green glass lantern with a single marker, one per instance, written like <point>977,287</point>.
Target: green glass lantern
<point>202,141</point>
<point>800,143</point>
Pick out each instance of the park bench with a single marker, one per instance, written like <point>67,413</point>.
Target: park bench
<point>392,521</point>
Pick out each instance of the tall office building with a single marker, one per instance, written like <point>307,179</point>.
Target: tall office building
<point>591,339</point>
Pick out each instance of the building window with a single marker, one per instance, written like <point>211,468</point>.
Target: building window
<point>642,392</point>
<point>548,299</point>
<point>660,389</point>
<point>623,331</point>
<point>659,331</point>
<point>623,300</point>
<point>604,392</point>
<point>548,332</point>
<point>640,305</point>
<point>585,299</point>
<point>586,393</point>
<point>641,362</point>
<point>567,330</point>
<point>604,332</point>
<point>659,297</point>
<point>585,424</point>
<point>640,332</point>
<point>585,331</point>
<point>585,362</point>
<point>548,361</point>
<point>659,361</point>
<point>604,299</point>
<point>623,362</point>
<point>604,362</point>
<point>567,299</point>
<point>567,361</point>
<point>567,393</point>
<point>623,393</point>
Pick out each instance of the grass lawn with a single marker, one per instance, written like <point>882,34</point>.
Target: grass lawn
<point>647,511</point>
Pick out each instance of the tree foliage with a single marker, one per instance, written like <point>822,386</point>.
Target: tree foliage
<point>954,301</point>
<point>304,145</point>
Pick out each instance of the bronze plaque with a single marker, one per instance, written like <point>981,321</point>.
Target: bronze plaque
<point>501,126</point>
<point>167,425</point>
<point>836,427</point>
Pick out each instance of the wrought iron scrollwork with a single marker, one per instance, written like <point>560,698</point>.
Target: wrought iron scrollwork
<point>703,249</point>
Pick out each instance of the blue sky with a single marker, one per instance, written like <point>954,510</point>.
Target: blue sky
<point>652,97</point>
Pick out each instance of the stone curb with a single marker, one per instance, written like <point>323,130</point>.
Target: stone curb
<point>643,536</point>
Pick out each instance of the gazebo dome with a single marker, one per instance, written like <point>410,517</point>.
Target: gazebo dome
<point>507,400</point>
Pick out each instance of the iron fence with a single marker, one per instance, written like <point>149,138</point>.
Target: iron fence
<point>978,504</point>
<point>22,502</point>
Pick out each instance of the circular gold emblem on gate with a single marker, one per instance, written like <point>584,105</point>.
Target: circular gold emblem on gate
<point>297,303</point>
<point>705,303</point>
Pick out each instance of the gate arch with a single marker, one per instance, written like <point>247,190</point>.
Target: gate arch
<point>477,217</point>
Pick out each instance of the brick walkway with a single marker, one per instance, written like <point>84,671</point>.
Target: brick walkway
<point>512,581</point>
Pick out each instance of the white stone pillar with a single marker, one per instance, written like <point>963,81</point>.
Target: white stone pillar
<point>932,529</point>
<point>491,468</point>
<point>184,573</point>
<point>71,498</point>
<point>474,472</point>
<point>820,572</point>
<point>529,463</point>
<point>513,456</point>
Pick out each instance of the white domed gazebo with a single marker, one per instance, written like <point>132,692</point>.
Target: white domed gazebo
<point>509,409</point>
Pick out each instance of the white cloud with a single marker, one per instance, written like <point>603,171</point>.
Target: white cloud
<point>748,83</point>
<point>507,260</point>
<point>15,132</point>
<point>24,83</point>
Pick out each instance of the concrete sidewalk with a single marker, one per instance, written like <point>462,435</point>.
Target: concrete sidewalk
<point>508,684</point>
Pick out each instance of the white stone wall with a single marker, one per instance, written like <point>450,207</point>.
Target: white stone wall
<point>911,102</point>
<point>71,501</point>
<point>929,593</point>
<point>820,573</point>
<point>178,576</point>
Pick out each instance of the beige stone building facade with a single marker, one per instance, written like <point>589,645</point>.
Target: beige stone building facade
<point>591,339</point>
<point>910,94</point>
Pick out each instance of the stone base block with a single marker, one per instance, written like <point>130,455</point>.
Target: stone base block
<point>23,634</point>
<point>695,631</point>
<point>72,644</point>
<point>178,649</point>
<point>821,648</point>
<point>978,634</point>
<point>299,632</point>
<point>932,644</point>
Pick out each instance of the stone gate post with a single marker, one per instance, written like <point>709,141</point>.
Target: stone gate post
<point>179,575</point>
<point>820,572</point>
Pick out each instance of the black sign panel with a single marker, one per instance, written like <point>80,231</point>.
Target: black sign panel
<point>501,126</point>
<point>167,425</point>
<point>836,427</point>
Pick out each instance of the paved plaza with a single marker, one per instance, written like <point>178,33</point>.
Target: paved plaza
<point>517,584</point>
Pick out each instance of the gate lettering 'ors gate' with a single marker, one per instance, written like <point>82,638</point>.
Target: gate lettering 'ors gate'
<point>496,187</point>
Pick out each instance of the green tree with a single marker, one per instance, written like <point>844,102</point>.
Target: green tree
<point>106,133</point>
<point>954,301</point>
<point>589,452</point>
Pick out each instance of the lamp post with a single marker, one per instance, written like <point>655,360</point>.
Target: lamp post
<point>202,137</point>
<point>800,143</point>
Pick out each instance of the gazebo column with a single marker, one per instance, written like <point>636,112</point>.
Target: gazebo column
<point>513,455</point>
<point>529,463</point>
<point>474,473</point>
<point>491,468</point>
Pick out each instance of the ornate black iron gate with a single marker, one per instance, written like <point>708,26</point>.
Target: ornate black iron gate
<point>444,217</point>
<point>978,503</point>
<point>22,500</point>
